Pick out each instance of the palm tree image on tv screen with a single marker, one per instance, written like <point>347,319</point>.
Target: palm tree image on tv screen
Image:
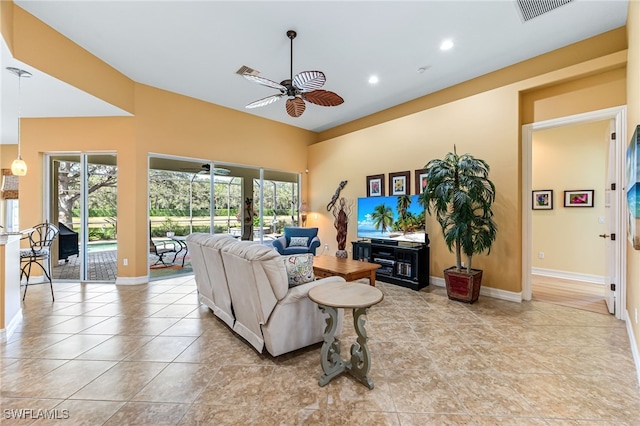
<point>399,218</point>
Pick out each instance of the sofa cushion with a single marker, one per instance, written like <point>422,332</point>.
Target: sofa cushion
<point>299,242</point>
<point>299,268</point>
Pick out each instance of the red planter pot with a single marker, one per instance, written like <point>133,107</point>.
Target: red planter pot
<point>462,286</point>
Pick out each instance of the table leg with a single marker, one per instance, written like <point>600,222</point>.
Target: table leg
<point>332,362</point>
<point>372,278</point>
<point>360,357</point>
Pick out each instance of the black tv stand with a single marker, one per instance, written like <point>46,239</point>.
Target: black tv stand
<point>385,242</point>
<point>404,265</point>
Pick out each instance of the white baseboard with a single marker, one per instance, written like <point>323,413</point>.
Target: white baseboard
<point>436,281</point>
<point>6,333</point>
<point>132,280</point>
<point>496,293</point>
<point>574,276</point>
<point>634,345</point>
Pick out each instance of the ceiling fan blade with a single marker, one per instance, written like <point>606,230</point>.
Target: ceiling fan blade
<point>264,101</point>
<point>306,81</point>
<point>295,107</point>
<point>265,82</point>
<point>323,98</point>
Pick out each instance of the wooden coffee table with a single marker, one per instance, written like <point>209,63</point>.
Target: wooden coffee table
<point>350,270</point>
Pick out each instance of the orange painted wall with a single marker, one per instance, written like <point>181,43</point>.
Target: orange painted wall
<point>164,123</point>
<point>42,47</point>
<point>6,22</point>
<point>603,90</point>
<point>174,124</point>
<point>486,124</point>
<point>482,116</point>
<point>112,134</point>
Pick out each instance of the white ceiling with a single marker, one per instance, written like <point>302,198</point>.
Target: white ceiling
<point>195,47</point>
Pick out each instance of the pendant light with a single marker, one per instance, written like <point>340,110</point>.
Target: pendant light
<point>19,167</point>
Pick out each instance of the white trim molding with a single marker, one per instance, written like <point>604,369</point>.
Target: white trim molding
<point>573,276</point>
<point>6,333</point>
<point>439,282</point>
<point>634,345</point>
<point>619,114</point>
<point>132,280</point>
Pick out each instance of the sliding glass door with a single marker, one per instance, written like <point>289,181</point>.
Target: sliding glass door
<point>188,195</point>
<point>83,204</point>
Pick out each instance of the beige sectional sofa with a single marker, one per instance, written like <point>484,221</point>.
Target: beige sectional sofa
<point>246,285</point>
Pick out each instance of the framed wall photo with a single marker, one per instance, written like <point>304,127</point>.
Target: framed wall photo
<point>578,198</point>
<point>633,189</point>
<point>542,199</point>
<point>375,186</point>
<point>399,183</point>
<point>421,180</point>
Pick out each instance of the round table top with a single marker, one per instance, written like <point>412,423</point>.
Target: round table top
<point>346,295</point>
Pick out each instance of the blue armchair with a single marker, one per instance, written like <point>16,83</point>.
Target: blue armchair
<point>298,240</point>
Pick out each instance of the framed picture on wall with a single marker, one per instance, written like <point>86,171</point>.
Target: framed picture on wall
<point>375,186</point>
<point>421,181</point>
<point>578,198</point>
<point>399,183</point>
<point>542,199</point>
<point>633,189</point>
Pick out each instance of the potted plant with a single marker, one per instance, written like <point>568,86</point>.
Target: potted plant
<point>460,195</point>
<point>170,227</point>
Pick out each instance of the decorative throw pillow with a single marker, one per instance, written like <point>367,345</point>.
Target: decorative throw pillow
<point>299,242</point>
<point>299,268</point>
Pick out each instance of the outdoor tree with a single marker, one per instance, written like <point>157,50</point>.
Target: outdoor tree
<point>99,177</point>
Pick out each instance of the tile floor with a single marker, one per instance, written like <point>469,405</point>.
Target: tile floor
<point>150,355</point>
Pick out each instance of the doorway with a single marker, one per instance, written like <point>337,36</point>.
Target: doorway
<point>82,202</point>
<point>533,255</point>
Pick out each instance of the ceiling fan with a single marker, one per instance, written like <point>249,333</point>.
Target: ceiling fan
<point>205,169</point>
<point>304,86</point>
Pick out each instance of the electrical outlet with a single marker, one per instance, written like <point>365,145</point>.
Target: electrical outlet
<point>125,262</point>
<point>541,255</point>
<point>462,264</point>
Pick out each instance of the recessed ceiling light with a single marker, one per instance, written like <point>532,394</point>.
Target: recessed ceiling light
<point>373,79</point>
<point>446,45</point>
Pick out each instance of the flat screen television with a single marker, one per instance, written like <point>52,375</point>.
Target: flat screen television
<point>381,218</point>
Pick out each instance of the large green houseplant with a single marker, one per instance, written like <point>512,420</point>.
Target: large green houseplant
<point>460,195</point>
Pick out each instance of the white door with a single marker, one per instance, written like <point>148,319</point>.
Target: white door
<point>611,201</point>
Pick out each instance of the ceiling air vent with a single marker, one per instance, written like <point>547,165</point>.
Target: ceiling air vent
<point>245,70</point>
<point>530,9</point>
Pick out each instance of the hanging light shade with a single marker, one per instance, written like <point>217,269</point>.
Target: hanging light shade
<point>19,167</point>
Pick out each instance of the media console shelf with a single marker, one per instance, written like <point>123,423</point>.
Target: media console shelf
<point>402,264</point>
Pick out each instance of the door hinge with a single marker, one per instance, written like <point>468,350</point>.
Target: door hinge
<point>613,136</point>
<point>613,186</point>
<point>613,237</point>
<point>613,287</point>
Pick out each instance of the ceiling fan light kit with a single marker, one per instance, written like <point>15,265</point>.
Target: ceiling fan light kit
<point>304,86</point>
